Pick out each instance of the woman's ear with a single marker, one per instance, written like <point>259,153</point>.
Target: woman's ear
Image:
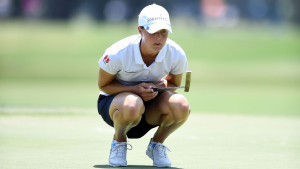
<point>140,30</point>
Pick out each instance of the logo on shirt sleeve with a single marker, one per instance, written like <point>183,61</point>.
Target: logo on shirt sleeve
<point>106,59</point>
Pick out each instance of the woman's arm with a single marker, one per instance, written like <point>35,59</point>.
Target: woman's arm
<point>108,84</point>
<point>170,80</point>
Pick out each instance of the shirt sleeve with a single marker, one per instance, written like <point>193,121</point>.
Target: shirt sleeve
<point>180,64</point>
<point>110,63</point>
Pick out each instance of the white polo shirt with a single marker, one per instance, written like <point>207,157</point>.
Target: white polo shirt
<point>124,60</point>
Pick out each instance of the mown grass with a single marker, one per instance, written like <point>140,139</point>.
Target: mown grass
<point>48,93</point>
<point>83,141</point>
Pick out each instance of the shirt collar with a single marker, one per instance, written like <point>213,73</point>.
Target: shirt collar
<point>137,52</point>
<point>161,54</point>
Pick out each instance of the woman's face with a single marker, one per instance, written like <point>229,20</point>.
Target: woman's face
<point>153,42</point>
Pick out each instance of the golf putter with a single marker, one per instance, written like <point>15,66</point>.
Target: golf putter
<point>188,75</point>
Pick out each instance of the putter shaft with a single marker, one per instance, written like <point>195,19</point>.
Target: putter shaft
<point>166,88</point>
<point>186,87</point>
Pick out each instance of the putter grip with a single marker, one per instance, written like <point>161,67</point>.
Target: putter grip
<point>187,81</point>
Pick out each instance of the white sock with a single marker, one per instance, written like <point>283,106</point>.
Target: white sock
<point>153,142</point>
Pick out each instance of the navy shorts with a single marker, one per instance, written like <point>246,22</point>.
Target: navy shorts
<point>136,132</point>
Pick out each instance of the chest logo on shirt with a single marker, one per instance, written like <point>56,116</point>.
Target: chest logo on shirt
<point>106,59</point>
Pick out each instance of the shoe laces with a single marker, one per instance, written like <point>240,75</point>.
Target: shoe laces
<point>121,147</point>
<point>162,150</point>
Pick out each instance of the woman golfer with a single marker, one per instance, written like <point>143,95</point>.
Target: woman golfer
<point>129,69</point>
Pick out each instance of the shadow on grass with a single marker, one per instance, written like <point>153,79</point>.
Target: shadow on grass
<point>130,167</point>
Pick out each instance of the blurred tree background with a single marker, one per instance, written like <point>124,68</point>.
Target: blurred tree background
<point>215,12</point>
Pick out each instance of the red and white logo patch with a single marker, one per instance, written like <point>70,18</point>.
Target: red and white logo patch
<point>106,59</point>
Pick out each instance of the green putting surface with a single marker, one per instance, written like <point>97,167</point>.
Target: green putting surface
<point>82,140</point>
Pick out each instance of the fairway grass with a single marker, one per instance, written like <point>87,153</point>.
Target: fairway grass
<point>82,140</point>
<point>243,70</point>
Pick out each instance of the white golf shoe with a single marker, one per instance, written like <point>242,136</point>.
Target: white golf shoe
<point>158,153</point>
<point>118,151</point>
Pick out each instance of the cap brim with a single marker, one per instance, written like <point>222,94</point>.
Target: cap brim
<point>157,26</point>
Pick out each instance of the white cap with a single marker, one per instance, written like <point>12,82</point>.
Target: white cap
<point>154,18</point>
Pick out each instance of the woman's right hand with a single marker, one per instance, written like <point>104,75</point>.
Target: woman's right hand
<point>145,91</point>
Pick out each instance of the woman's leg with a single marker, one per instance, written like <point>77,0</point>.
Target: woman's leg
<point>169,110</point>
<point>126,111</point>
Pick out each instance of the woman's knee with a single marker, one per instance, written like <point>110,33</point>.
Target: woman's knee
<point>180,107</point>
<point>132,108</point>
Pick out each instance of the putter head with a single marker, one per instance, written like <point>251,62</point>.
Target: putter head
<point>187,81</point>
